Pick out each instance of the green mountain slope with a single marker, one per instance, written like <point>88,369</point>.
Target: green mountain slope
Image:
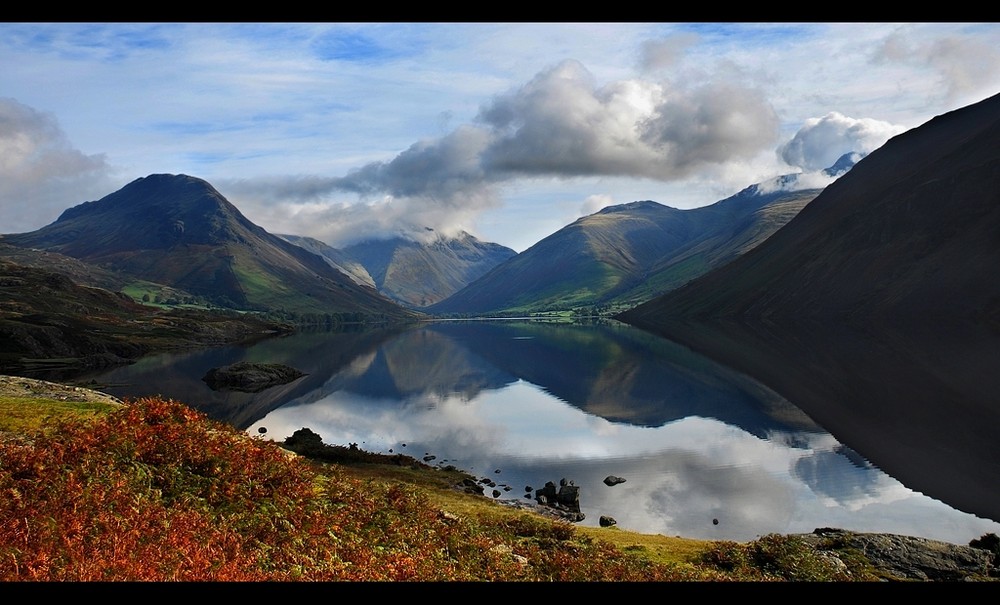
<point>626,254</point>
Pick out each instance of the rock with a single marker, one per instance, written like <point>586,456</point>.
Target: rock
<point>471,487</point>
<point>907,557</point>
<point>566,499</point>
<point>250,377</point>
<point>611,480</point>
<point>607,521</point>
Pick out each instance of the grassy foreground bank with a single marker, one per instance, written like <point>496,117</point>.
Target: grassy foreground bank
<point>93,490</point>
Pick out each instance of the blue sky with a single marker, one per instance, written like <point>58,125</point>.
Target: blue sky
<point>509,131</point>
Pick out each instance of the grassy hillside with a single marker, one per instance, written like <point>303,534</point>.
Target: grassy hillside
<point>49,321</point>
<point>625,255</point>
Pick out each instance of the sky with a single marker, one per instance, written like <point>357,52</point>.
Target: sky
<point>509,131</point>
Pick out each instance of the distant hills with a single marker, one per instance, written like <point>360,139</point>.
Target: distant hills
<point>411,273</point>
<point>627,254</point>
<point>178,231</point>
<point>337,259</point>
<point>418,274</point>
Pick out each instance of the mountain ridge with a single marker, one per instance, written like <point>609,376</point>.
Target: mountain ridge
<point>420,274</point>
<point>625,254</point>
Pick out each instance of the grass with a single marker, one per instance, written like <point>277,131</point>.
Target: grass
<point>31,414</point>
<point>155,491</point>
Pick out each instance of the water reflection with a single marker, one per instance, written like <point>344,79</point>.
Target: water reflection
<point>521,403</point>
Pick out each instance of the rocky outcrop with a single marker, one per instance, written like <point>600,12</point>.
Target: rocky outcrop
<point>566,499</point>
<point>250,377</point>
<point>908,557</point>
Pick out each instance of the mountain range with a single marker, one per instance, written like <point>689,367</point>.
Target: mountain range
<point>175,239</point>
<point>418,274</point>
<point>627,254</point>
<point>177,234</point>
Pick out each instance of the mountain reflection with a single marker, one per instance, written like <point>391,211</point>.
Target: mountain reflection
<point>525,402</point>
<point>918,398</point>
<point>608,370</point>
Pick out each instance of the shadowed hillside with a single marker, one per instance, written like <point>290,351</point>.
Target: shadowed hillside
<point>910,231</point>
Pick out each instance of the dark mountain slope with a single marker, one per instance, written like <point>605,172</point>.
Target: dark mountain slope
<point>418,274</point>
<point>179,231</point>
<point>49,325</point>
<point>875,309</point>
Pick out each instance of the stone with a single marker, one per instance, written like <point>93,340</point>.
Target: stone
<point>250,377</point>
<point>566,499</point>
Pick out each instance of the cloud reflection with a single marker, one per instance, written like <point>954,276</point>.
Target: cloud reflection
<point>679,477</point>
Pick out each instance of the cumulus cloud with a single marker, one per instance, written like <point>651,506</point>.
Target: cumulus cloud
<point>560,124</point>
<point>37,163</point>
<point>964,65</point>
<point>821,141</point>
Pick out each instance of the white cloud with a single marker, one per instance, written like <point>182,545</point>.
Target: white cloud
<point>558,125</point>
<point>40,173</point>
<point>562,124</point>
<point>821,141</point>
<point>593,203</point>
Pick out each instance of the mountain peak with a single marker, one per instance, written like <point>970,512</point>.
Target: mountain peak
<point>844,163</point>
<point>180,231</point>
<point>631,207</point>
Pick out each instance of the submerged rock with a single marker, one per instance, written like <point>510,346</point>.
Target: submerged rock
<point>250,377</point>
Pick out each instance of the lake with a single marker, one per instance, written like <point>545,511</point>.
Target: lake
<point>705,452</point>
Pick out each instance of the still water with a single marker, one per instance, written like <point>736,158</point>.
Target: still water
<point>705,452</point>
